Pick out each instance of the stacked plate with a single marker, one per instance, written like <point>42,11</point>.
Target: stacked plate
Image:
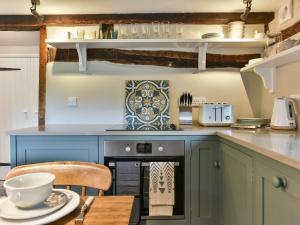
<point>236,29</point>
<point>59,204</point>
<point>251,123</point>
<point>212,35</point>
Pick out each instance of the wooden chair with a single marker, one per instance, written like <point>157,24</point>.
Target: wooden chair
<point>84,174</point>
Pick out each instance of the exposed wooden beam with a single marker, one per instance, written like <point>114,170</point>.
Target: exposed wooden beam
<point>290,31</point>
<point>158,58</point>
<point>42,78</point>
<point>188,18</point>
<point>28,22</point>
<point>19,23</point>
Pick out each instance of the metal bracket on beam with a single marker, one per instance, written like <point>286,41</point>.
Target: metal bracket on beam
<point>82,56</point>
<point>202,50</point>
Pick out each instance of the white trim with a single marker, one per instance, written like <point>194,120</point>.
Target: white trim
<point>3,55</point>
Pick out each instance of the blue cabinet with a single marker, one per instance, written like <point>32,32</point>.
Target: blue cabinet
<point>35,149</point>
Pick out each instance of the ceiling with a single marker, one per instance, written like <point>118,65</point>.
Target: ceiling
<point>134,6</point>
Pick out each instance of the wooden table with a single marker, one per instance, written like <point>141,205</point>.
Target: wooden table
<point>108,210</point>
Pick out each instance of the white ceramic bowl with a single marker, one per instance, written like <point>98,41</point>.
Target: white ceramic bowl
<point>237,23</point>
<point>29,190</point>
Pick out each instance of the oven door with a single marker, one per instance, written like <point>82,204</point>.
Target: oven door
<point>131,177</point>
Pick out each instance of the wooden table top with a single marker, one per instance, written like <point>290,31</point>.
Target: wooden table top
<point>107,210</point>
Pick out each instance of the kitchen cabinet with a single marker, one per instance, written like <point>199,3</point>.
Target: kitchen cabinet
<point>277,196</point>
<point>236,187</point>
<point>35,149</point>
<point>204,182</point>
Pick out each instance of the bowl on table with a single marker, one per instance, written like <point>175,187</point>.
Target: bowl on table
<point>29,190</point>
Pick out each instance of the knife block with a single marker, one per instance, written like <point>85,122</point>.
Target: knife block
<point>185,115</point>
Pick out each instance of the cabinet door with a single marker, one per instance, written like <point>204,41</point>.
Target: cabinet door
<point>204,183</point>
<point>236,187</point>
<point>276,203</point>
<point>35,149</point>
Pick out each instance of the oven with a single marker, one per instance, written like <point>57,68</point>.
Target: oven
<point>129,162</point>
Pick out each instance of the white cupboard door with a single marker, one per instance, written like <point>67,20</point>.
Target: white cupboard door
<point>18,98</point>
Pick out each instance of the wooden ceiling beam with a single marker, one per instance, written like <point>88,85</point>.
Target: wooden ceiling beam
<point>28,22</point>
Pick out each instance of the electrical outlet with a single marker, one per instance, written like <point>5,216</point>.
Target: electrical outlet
<point>72,101</point>
<point>197,101</point>
<point>296,98</point>
<point>297,4</point>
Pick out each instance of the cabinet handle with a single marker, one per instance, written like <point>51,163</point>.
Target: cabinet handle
<point>279,182</point>
<point>217,164</point>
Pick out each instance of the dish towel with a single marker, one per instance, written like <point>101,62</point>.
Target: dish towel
<point>161,189</point>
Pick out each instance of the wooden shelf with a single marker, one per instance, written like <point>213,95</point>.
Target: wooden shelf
<point>200,44</point>
<point>266,68</point>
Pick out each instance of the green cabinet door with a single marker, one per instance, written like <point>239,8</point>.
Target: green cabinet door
<point>36,149</point>
<point>236,187</point>
<point>204,183</point>
<point>277,197</point>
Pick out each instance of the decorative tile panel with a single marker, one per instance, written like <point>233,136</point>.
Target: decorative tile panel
<point>147,104</point>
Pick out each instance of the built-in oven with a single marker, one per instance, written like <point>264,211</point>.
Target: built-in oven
<point>129,162</point>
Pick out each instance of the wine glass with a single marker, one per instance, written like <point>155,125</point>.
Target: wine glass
<point>156,29</point>
<point>144,30</point>
<point>123,31</point>
<point>134,30</point>
<point>166,29</point>
<point>179,29</point>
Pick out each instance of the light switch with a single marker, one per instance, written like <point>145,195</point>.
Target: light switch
<point>72,101</point>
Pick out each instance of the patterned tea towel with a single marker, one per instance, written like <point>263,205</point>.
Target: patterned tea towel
<point>161,189</point>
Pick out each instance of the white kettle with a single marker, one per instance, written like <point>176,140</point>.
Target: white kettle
<point>284,111</point>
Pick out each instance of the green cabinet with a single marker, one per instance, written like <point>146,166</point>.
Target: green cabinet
<point>35,149</point>
<point>204,183</point>
<point>277,196</point>
<point>236,187</point>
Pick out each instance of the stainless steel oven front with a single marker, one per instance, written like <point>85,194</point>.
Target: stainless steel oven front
<point>129,163</point>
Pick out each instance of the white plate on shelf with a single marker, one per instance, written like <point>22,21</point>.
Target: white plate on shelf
<point>55,201</point>
<point>56,215</point>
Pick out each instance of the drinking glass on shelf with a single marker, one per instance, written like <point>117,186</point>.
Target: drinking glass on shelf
<point>123,31</point>
<point>156,29</point>
<point>134,30</point>
<point>144,30</point>
<point>179,30</point>
<point>166,29</point>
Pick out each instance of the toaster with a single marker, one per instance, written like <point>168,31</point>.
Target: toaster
<point>216,114</point>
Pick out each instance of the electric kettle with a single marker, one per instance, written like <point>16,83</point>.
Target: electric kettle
<point>284,111</point>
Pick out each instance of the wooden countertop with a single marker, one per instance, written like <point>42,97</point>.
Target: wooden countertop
<point>108,210</point>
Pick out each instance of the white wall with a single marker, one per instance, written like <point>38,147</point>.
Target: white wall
<point>101,94</point>
<point>288,79</point>
<point>18,89</point>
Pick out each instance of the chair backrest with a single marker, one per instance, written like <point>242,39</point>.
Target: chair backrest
<point>84,174</point>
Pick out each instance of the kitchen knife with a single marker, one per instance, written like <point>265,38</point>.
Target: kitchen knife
<point>185,99</point>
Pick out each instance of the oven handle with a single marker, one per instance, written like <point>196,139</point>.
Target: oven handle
<point>144,164</point>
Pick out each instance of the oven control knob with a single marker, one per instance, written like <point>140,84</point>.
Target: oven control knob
<point>160,148</point>
<point>127,149</point>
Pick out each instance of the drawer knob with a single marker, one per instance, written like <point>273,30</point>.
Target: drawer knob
<point>279,182</point>
<point>217,164</point>
<point>127,148</point>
